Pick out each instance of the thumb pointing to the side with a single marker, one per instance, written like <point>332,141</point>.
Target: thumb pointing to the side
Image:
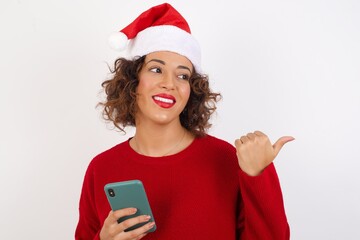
<point>281,142</point>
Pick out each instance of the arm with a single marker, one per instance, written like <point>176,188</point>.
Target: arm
<point>262,214</point>
<point>88,227</point>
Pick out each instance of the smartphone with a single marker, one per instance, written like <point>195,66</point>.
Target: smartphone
<point>129,194</point>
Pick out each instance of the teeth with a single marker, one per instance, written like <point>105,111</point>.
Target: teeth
<point>165,100</point>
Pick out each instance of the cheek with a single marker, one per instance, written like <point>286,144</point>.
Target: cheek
<point>185,92</point>
<point>143,85</point>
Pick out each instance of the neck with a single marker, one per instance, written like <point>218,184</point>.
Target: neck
<point>160,141</point>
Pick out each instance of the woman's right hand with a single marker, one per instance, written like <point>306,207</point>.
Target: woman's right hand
<point>112,230</point>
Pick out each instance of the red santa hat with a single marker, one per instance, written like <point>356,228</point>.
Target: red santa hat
<point>160,28</point>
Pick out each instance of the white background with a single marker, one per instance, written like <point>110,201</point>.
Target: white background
<point>283,67</point>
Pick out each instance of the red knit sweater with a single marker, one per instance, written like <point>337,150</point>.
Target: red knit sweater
<point>199,193</point>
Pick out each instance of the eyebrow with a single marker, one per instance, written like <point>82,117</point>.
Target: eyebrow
<point>163,63</point>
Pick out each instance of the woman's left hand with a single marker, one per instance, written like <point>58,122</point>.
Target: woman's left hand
<point>255,151</point>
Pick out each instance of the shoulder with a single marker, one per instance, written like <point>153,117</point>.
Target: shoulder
<point>107,157</point>
<point>216,142</point>
<point>219,153</point>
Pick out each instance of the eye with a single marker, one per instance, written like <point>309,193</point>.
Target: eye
<point>155,70</point>
<point>184,76</point>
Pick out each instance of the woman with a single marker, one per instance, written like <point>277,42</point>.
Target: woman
<point>198,186</point>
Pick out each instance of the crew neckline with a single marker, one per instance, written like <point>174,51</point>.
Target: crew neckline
<point>135,156</point>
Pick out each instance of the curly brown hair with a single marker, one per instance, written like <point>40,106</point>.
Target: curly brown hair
<point>120,106</point>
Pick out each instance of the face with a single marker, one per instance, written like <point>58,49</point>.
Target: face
<point>164,88</point>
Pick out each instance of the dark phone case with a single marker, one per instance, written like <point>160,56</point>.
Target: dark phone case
<point>129,194</point>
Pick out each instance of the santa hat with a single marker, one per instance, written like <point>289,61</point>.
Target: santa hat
<point>161,28</point>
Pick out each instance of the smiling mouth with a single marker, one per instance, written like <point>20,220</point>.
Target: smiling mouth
<point>164,102</point>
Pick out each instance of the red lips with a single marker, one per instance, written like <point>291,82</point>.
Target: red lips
<point>164,100</point>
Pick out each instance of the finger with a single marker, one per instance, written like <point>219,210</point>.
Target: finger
<point>260,134</point>
<point>281,142</point>
<point>115,215</point>
<point>123,212</point>
<point>109,219</point>
<point>134,221</point>
<point>238,142</point>
<point>244,139</point>
<point>140,232</point>
<point>251,136</point>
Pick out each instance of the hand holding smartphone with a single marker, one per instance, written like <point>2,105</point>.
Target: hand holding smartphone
<point>129,194</point>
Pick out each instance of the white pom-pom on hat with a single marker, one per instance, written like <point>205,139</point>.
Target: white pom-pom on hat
<point>118,41</point>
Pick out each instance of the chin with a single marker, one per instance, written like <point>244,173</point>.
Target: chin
<point>164,118</point>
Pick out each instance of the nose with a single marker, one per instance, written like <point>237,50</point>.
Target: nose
<point>168,82</point>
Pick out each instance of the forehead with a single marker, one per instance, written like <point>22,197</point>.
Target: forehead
<point>169,58</point>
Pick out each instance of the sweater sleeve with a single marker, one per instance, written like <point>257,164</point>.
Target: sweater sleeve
<point>262,214</point>
<point>88,227</point>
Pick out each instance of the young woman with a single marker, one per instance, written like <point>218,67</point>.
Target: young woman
<point>198,186</point>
